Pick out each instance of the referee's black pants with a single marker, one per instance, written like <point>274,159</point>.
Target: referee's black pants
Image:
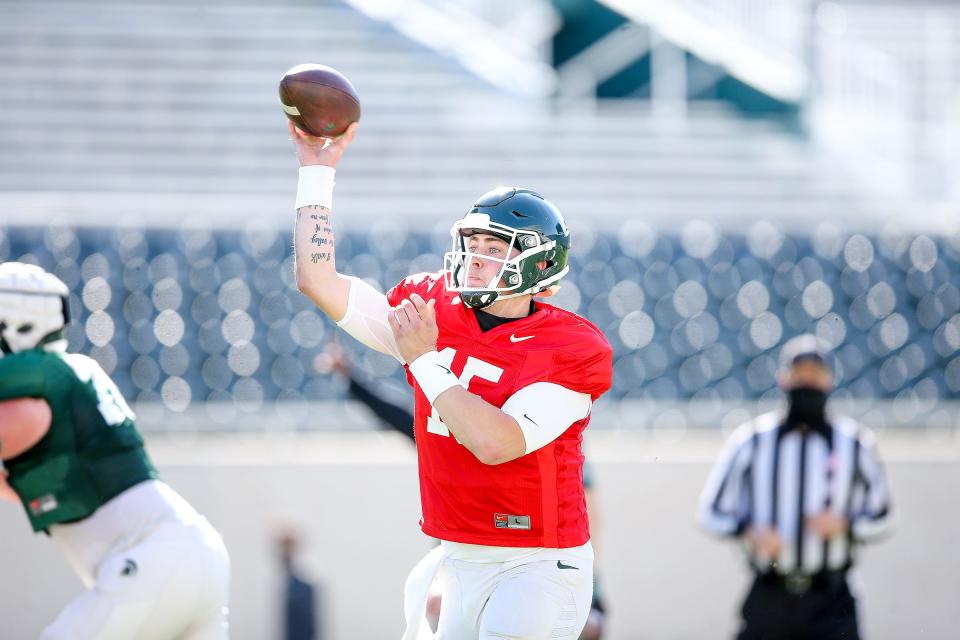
<point>826,611</point>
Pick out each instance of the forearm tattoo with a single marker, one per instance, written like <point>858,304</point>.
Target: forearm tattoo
<point>321,240</point>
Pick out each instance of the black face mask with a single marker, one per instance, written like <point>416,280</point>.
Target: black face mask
<point>807,406</point>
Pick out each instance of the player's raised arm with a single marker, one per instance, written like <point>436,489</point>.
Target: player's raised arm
<point>314,246</point>
<point>353,304</point>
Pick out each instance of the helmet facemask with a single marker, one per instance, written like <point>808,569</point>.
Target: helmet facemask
<point>517,276</point>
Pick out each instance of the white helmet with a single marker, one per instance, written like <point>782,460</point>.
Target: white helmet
<point>33,308</point>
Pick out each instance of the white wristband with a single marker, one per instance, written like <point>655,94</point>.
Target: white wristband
<point>315,186</point>
<point>433,376</point>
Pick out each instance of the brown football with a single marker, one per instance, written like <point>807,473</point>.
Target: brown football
<point>319,100</point>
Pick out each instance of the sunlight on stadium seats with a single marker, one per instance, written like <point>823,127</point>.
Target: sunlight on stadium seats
<point>237,327</point>
<point>175,393</point>
<point>764,239</point>
<point>145,373</point>
<point>96,294</point>
<point>858,253</point>
<point>952,375</point>
<point>690,299</point>
<point>168,327</point>
<point>753,298</point>
<point>175,360</point>
<point>636,330</point>
<point>216,373</point>
<point>215,316</point>
<point>636,239</point>
<point>234,295</point>
<point>817,299</point>
<point>248,394</point>
<point>106,356</point>
<point>307,329</point>
<point>243,358</point>
<point>100,328</point>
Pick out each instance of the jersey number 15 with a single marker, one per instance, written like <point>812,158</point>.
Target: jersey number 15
<point>475,368</point>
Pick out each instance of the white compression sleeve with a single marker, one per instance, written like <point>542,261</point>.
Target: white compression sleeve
<point>545,410</point>
<point>366,318</point>
<point>433,376</point>
<point>315,186</point>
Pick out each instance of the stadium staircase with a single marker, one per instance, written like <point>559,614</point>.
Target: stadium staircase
<point>163,109</point>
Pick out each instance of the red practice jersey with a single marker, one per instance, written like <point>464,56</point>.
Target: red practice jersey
<point>537,499</point>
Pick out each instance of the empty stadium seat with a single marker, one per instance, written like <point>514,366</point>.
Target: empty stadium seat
<point>180,316</point>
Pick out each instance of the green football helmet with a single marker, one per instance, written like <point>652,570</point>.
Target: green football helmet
<point>529,223</point>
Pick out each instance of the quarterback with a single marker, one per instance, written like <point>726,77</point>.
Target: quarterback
<point>504,385</point>
<point>153,567</point>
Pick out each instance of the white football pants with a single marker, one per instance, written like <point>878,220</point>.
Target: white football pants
<point>546,595</point>
<point>172,584</point>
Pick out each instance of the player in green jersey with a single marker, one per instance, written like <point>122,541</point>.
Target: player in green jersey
<point>154,568</point>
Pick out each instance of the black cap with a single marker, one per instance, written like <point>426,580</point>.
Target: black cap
<point>806,347</point>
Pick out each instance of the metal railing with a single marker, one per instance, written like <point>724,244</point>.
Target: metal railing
<point>761,42</point>
<point>506,43</point>
<point>890,108</point>
<point>862,111</point>
<point>887,101</point>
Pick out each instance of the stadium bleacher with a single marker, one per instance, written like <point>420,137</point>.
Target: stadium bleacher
<point>144,160</point>
<point>190,315</point>
<point>111,107</point>
<point>167,179</point>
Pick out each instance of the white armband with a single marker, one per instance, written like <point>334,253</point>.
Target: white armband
<point>315,186</point>
<point>545,410</point>
<point>433,376</point>
<point>366,318</point>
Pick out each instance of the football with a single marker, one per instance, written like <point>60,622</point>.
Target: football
<point>319,100</point>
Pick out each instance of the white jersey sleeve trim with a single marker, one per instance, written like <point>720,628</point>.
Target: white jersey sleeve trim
<point>366,318</point>
<point>545,410</point>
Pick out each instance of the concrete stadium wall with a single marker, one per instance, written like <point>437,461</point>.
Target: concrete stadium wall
<point>355,497</point>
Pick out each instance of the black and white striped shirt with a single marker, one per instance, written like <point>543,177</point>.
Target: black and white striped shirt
<point>768,476</point>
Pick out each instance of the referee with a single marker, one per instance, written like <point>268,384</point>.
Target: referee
<point>801,489</point>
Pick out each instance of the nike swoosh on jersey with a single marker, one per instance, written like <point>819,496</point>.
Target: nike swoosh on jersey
<point>531,420</point>
<point>514,338</point>
<point>560,565</point>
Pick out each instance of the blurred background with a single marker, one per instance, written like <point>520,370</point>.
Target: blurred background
<point>734,173</point>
